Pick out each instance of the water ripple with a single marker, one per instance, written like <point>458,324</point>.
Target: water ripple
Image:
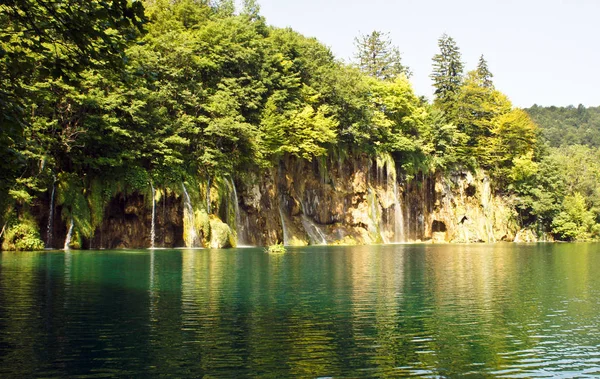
<point>387,311</point>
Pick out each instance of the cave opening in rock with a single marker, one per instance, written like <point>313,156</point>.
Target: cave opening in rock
<point>438,226</point>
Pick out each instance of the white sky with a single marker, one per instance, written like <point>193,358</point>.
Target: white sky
<point>540,51</point>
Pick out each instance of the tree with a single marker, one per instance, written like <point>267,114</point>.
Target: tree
<point>575,221</point>
<point>251,9</point>
<point>513,135</point>
<point>484,74</point>
<point>396,116</point>
<point>447,75</point>
<point>476,106</point>
<point>563,126</point>
<point>43,41</point>
<point>377,57</point>
<point>441,141</point>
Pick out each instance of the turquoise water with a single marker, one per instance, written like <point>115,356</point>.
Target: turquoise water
<point>381,311</point>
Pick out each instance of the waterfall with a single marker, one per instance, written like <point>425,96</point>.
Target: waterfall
<point>50,218</point>
<point>285,233</point>
<point>240,227</point>
<point>375,216</point>
<point>391,227</point>
<point>69,235</point>
<point>153,224</point>
<point>315,234</point>
<point>190,234</point>
<point>398,217</point>
<point>486,199</point>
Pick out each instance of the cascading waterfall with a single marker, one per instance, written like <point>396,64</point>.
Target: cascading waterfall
<point>315,234</point>
<point>398,217</point>
<point>283,226</point>
<point>486,198</point>
<point>387,178</point>
<point>375,216</point>
<point>50,218</point>
<point>240,227</point>
<point>189,224</point>
<point>153,224</point>
<point>69,235</point>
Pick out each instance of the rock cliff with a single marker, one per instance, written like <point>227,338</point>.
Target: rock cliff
<point>358,200</point>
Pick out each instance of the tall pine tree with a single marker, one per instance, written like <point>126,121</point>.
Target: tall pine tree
<point>484,74</point>
<point>377,57</point>
<point>447,76</point>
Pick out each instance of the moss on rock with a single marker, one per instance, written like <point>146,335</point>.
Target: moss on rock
<point>221,235</point>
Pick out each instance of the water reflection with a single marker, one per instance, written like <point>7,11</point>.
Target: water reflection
<point>383,311</point>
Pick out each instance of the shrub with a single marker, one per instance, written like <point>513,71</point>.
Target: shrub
<point>276,249</point>
<point>23,236</point>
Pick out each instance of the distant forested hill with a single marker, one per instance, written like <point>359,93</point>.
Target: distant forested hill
<point>564,126</point>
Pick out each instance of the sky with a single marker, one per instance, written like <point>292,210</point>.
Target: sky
<point>540,52</point>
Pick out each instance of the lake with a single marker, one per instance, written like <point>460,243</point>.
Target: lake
<point>503,310</point>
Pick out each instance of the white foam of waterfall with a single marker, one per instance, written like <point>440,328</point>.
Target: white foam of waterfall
<point>315,234</point>
<point>191,237</point>
<point>283,226</point>
<point>486,199</point>
<point>392,227</point>
<point>375,216</point>
<point>50,218</point>
<point>398,216</point>
<point>240,227</point>
<point>69,235</point>
<point>153,223</point>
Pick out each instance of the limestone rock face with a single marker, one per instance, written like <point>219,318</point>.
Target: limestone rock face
<point>363,201</point>
<point>128,219</point>
<point>344,201</point>
<point>469,212</point>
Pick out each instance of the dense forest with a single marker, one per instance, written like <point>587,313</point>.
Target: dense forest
<point>100,97</point>
<point>569,166</point>
<point>566,126</point>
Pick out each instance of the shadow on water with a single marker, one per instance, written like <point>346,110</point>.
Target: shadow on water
<point>501,310</point>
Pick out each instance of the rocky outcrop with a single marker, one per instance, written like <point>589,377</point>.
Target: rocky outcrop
<point>363,201</point>
<point>128,219</point>
<point>358,200</point>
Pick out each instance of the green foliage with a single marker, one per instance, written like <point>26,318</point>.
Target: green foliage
<point>41,43</point>
<point>513,135</point>
<point>560,191</point>
<point>221,235</point>
<point>377,57</point>
<point>298,132</point>
<point>203,225</point>
<point>71,195</point>
<point>565,126</point>
<point>24,235</point>
<point>276,249</point>
<point>137,179</point>
<point>204,93</point>
<point>442,142</point>
<point>447,75</point>
<point>575,221</point>
<point>484,73</point>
